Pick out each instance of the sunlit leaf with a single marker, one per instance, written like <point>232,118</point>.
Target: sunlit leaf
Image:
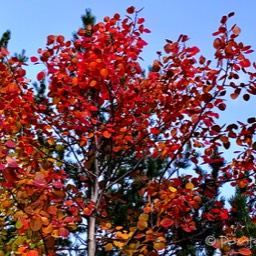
<point>236,30</point>
<point>32,253</point>
<point>108,247</point>
<point>189,185</point>
<point>172,189</point>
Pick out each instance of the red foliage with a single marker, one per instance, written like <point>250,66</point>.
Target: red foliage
<point>101,110</point>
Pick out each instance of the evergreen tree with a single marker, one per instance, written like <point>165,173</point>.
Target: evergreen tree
<point>243,223</point>
<point>5,39</point>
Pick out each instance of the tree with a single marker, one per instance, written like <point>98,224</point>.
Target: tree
<point>94,164</point>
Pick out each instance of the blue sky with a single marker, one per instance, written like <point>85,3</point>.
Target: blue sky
<point>31,21</point>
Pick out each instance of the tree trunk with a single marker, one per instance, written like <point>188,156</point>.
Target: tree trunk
<point>91,236</point>
<point>94,198</point>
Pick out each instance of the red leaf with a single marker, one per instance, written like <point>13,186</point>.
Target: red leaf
<point>140,20</point>
<point>245,63</point>
<point>146,30</point>
<point>63,232</point>
<point>10,144</point>
<point>57,184</point>
<point>224,214</point>
<point>155,130</point>
<point>50,39</point>
<point>166,223</point>
<point>231,14</point>
<point>4,51</point>
<point>217,43</point>
<point>245,251</point>
<point>130,10</point>
<point>60,39</point>
<point>34,59</point>
<point>40,76</point>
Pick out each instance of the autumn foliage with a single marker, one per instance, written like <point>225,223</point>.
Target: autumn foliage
<point>70,158</point>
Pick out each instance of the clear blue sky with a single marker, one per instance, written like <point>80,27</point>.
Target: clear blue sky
<point>32,20</point>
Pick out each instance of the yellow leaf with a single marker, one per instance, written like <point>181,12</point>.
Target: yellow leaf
<point>118,244</point>
<point>189,185</point>
<point>159,246</point>
<point>172,189</point>
<point>49,229</point>
<point>45,221</point>
<point>55,233</point>
<point>109,247</point>
<point>143,216</point>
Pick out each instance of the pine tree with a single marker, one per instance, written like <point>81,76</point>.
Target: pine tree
<point>5,39</point>
<point>243,223</point>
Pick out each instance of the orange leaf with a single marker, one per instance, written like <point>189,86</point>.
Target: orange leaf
<point>243,240</point>
<point>32,253</point>
<point>245,251</point>
<point>104,72</point>
<point>48,229</point>
<point>142,224</point>
<point>87,211</point>
<point>35,224</point>
<point>107,134</point>
<point>93,83</point>
<point>52,210</point>
<point>108,247</point>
